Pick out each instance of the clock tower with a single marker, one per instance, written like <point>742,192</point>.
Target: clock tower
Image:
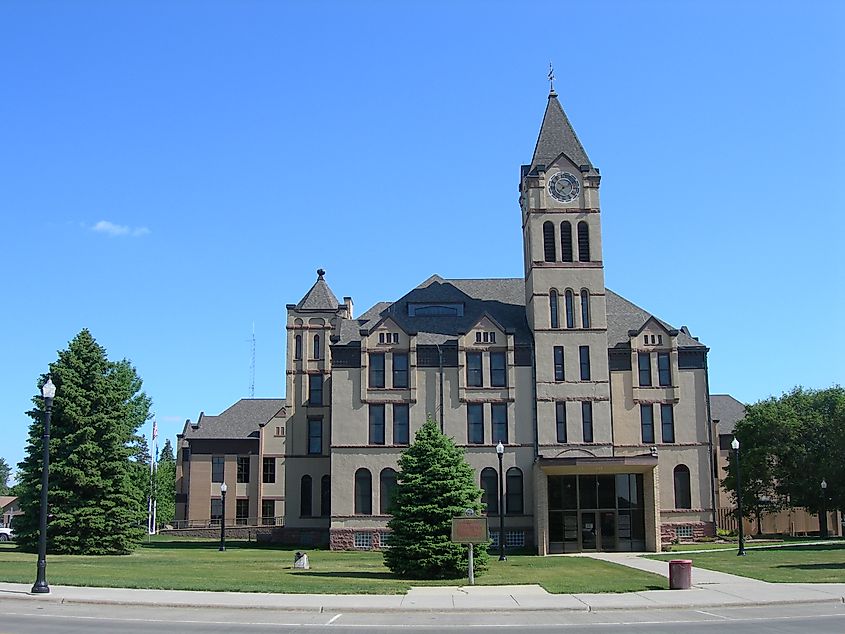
<point>564,292</point>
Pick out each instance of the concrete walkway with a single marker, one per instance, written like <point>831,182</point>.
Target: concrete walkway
<point>711,589</point>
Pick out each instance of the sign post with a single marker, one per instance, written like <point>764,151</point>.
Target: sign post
<point>469,529</point>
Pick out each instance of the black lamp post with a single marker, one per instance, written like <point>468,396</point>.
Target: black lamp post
<point>741,551</point>
<point>222,517</point>
<point>823,512</point>
<point>500,451</point>
<point>48,391</point>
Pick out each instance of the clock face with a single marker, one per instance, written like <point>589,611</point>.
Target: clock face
<point>564,187</point>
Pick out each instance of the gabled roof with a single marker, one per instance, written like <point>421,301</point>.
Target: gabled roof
<point>503,300</point>
<point>241,420</point>
<point>319,297</point>
<point>558,137</point>
<point>623,315</point>
<point>727,411</point>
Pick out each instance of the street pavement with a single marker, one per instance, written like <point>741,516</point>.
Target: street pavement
<point>710,589</point>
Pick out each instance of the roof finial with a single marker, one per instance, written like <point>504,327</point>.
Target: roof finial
<point>552,92</point>
<point>320,274</point>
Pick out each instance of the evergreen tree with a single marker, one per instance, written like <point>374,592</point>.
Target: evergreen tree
<point>166,485</point>
<point>5,474</point>
<point>434,484</point>
<point>93,497</point>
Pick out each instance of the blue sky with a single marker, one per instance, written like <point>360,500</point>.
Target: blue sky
<point>173,172</point>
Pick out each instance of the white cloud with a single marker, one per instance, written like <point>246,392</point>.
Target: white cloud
<point>114,230</point>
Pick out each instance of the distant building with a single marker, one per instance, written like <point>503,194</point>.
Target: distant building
<point>602,407</point>
<point>9,508</point>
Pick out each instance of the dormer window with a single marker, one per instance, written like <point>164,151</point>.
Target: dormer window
<point>388,337</point>
<point>485,337</point>
<point>426,310</point>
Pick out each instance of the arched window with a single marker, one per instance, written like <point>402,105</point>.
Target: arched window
<point>387,488</point>
<point>566,241</point>
<point>316,346</point>
<point>683,498</point>
<point>305,496</point>
<point>490,488</point>
<point>326,496</point>
<point>513,482</point>
<point>549,246</point>
<point>553,309</point>
<point>570,309</point>
<point>363,492</point>
<point>297,347</point>
<point>583,242</point>
<point>585,308</point>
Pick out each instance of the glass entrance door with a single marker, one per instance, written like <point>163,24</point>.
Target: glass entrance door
<point>588,531</point>
<point>608,530</point>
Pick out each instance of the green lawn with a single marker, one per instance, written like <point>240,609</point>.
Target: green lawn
<point>245,567</point>
<point>822,563</point>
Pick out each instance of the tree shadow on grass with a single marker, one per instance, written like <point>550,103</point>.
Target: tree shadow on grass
<point>382,576</point>
<point>826,566</point>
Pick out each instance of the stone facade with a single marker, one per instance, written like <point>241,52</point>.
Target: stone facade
<point>601,407</point>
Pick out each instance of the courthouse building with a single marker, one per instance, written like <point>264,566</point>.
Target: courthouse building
<point>602,407</point>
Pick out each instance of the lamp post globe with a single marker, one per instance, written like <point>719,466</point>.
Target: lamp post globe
<point>500,452</point>
<point>741,551</point>
<point>823,511</point>
<point>223,489</point>
<point>48,391</point>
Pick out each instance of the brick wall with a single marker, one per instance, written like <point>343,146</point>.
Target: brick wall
<point>668,532</point>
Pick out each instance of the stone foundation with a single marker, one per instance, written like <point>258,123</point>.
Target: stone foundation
<point>344,538</point>
<point>262,534</point>
<point>669,531</point>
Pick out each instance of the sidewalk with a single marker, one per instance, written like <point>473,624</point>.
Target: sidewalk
<point>710,589</point>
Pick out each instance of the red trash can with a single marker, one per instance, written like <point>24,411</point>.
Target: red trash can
<point>680,574</point>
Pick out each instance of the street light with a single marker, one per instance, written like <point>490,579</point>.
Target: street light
<point>741,551</point>
<point>48,391</point>
<point>222,516</point>
<point>823,513</point>
<point>500,451</point>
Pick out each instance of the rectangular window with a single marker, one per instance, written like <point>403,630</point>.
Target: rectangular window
<point>216,509</point>
<point>315,389</point>
<point>499,420</point>
<point>558,363</point>
<point>217,463</point>
<point>400,369</point>
<point>268,471</point>
<point>243,469</point>
<point>376,424</point>
<point>268,512</point>
<point>315,436</point>
<point>474,375</point>
<point>667,423</point>
<point>647,423</point>
<point>664,372</point>
<point>376,369</point>
<point>587,420</point>
<point>584,354</point>
<point>363,541</point>
<point>560,420</point>
<point>644,365</point>
<point>401,434</point>
<point>498,375</point>
<point>475,424</point>
<point>241,511</point>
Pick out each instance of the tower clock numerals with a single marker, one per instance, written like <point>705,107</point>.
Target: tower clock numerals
<point>564,187</point>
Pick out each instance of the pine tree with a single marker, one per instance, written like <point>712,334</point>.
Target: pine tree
<point>434,484</point>
<point>5,474</point>
<point>94,501</point>
<point>166,485</point>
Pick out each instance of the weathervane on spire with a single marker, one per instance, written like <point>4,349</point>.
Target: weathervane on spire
<point>551,79</point>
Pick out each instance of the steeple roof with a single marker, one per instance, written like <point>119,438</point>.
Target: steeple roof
<point>557,137</point>
<point>319,297</point>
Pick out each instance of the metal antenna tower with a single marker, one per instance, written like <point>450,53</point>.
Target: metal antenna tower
<point>252,366</point>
